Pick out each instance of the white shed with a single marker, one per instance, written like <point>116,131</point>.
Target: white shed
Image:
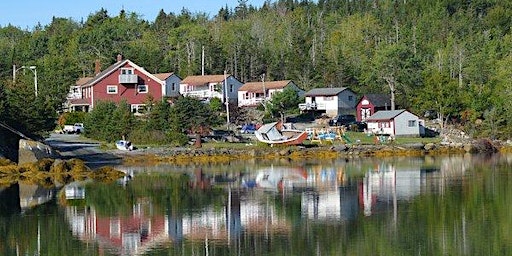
<point>395,122</point>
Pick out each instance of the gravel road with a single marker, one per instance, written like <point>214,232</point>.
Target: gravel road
<point>74,146</point>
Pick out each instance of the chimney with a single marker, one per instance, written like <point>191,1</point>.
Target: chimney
<point>97,67</point>
<point>119,57</point>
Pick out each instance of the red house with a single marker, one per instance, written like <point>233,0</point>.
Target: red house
<point>123,80</point>
<point>371,103</point>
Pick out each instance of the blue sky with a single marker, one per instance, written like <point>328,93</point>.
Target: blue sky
<point>27,13</point>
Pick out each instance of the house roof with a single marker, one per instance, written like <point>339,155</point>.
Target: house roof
<point>83,80</point>
<point>385,115</point>
<point>325,91</point>
<point>202,80</point>
<point>163,76</point>
<point>378,100</point>
<point>115,67</point>
<point>258,86</point>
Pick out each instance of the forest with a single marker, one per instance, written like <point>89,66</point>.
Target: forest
<point>452,57</point>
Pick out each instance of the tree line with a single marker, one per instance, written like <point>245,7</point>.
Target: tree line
<point>449,56</point>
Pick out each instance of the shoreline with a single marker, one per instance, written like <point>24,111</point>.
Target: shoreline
<point>92,153</point>
<point>203,155</point>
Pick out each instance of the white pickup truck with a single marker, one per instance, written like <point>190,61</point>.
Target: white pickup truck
<point>73,128</point>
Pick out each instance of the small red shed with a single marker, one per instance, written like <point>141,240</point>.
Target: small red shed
<point>371,103</point>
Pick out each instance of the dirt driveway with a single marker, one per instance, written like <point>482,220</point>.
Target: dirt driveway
<point>74,146</point>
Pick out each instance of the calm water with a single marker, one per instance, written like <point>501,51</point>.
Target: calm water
<point>402,206</point>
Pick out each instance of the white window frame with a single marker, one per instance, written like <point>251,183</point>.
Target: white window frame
<point>411,123</point>
<point>109,87</point>
<point>136,108</point>
<point>139,86</point>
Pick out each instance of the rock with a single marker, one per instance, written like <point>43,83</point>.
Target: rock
<point>284,152</point>
<point>469,148</point>
<point>418,146</point>
<point>31,151</point>
<point>429,146</point>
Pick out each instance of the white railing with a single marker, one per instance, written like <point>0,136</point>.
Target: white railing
<point>128,79</point>
<point>199,94</point>
<point>250,102</point>
<point>312,106</point>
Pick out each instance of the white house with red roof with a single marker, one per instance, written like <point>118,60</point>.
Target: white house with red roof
<point>254,93</point>
<point>206,87</point>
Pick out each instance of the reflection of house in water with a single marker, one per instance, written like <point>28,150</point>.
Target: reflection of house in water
<point>124,235</point>
<point>331,197</point>
<point>384,184</point>
<point>145,228</point>
<point>74,190</point>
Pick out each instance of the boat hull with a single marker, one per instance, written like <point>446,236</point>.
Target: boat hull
<point>294,138</point>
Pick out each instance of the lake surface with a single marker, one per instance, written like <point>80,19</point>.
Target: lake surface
<point>457,205</point>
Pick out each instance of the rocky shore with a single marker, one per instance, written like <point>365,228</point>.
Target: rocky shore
<point>209,155</point>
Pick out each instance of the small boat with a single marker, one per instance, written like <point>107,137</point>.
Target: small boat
<point>274,134</point>
<point>124,145</point>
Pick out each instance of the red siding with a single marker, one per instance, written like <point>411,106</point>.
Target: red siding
<point>360,106</point>
<point>127,92</point>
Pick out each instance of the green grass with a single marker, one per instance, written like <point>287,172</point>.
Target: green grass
<point>365,139</point>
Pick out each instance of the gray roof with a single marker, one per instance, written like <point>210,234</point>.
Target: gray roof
<point>385,115</point>
<point>325,91</point>
<point>379,100</point>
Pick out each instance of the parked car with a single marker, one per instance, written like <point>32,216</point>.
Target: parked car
<point>73,128</point>
<point>357,126</point>
<point>342,120</point>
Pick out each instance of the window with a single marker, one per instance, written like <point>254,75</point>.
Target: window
<point>350,98</point>
<point>411,123</point>
<point>173,87</point>
<point>127,71</point>
<point>112,89</point>
<point>230,88</point>
<point>142,88</point>
<point>328,98</point>
<point>138,108</point>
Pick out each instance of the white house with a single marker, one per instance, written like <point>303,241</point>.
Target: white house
<point>254,93</point>
<point>172,84</point>
<point>396,123</point>
<point>211,86</point>
<point>332,101</point>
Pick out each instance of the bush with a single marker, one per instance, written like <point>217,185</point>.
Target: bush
<point>141,136</point>
<point>177,139</point>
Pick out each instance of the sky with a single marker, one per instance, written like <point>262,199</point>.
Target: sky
<point>26,14</point>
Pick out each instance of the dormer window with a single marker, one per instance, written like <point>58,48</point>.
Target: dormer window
<point>126,71</point>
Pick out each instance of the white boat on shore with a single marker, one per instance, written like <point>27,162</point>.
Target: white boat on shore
<point>274,134</point>
<point>124,145</point>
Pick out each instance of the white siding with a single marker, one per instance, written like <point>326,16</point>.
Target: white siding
<point>407,124</point>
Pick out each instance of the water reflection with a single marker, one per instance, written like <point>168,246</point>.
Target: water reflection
<point>305,208</point>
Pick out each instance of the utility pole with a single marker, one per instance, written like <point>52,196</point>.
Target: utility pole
<point>226,99</point>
